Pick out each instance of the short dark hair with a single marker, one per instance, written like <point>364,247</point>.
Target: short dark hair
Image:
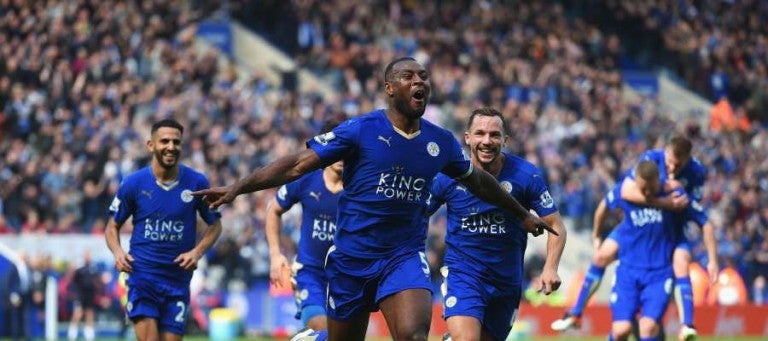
<point>648,170</point>
<point>681,146</point>
<point>487,111</point>
<point>390,66</point>
<point>331,123</point>
<point>169,123</point>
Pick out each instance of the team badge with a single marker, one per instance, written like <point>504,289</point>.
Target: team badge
<point>433,149</point>
<point>186,195</point>
<point>450,301</point>
<point>304,294</point>
<point>282,192</point>
<point>323,139</point>
<point>507,186</point>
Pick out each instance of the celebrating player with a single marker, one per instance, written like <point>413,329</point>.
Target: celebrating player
<point>163,252</point>
<point>318,192</point>
<point>483,272</point>
<point>390,158</point>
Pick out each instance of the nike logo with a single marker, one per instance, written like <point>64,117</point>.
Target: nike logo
<point>381,138</point>
<point>315,195</point>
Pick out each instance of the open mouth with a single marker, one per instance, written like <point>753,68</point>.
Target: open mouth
<point>419,95</point>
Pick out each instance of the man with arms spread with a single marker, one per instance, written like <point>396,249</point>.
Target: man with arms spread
<point>162,253</point>
<point>483,272</point>
<point>390,158</point>
<point>318,192</point>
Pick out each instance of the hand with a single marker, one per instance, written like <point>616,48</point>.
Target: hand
<point>713,269</point>
<point>217,196</point>
<point>123,261</point>
<point>536,226</point>
<point>679,201</point>
<point>548,282</point>
<point>277,265</point>
<point>188,260</point>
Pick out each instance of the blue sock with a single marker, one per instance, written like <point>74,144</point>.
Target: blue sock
<point>610,336</point>
<point>684,300</point>
<point>591,283</point>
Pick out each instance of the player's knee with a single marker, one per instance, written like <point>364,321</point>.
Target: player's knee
<point>648,328</point>
<point>464,335</point>
<point>621,331</point>
<point>411,332</point>
<point>681,261</point>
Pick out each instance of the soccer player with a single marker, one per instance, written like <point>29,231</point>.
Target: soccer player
<point>675,163</point>
<point>483,272</point>
<point>390,158</point>
<point>647,237</point>
<point>318,192</point>
<point>163,249</point>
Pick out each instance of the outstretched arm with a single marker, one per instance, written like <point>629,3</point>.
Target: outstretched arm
<point>188,260</point>
<point>280,172</point>
<point>549,279</point>
<point>487,188</point>
<point>272,225</point>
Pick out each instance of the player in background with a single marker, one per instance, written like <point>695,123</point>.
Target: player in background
<point>483,272</point>
<point>674,163</point>
<point>647,238</point>
<point>86,286</point>
<point>318,193</point>
<point>163,248</point>
<point>390,158</point>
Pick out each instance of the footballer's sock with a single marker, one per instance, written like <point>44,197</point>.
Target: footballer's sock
<point>89,332</point>
<point>684,300</point>
<point>591,283</point>
<point>610,336</point>
<point>72,332</point>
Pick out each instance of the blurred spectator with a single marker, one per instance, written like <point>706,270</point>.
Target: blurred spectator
<point>86,288</point>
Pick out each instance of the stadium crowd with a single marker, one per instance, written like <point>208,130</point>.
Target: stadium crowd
<point>81,80</point>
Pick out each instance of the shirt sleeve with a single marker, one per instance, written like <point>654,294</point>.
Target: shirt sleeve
<point>206,213</point>
<point>539,198</point>
<point>459,166</point>
<point>436,194</point>
<point>288,194</point>
<point>336,144</point>
<point>123,205</point>
<point>612,198</point>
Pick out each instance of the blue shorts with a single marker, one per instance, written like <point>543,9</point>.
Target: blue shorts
<point>357,285</point>
<point>636,288</point>
<point>310,285</point>
<point>469,295</point>
<point>683,244</point>
<point>168,303</point>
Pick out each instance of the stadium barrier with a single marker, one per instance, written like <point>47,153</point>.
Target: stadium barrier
<point>721,321</point>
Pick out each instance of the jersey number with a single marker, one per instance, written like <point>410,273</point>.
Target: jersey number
<point>424,262</point>
<point>182,309</point>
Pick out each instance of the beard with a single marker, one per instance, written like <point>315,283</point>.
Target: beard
<point>163,163</point>
<point>404,107</point>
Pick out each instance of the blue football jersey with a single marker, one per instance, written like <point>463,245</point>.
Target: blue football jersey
<point>318,215</point>
<point>483,239</point>
<point>648,236</point>
<point>692,176</point>
<point>164,220</point>
<point>387,178</point>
